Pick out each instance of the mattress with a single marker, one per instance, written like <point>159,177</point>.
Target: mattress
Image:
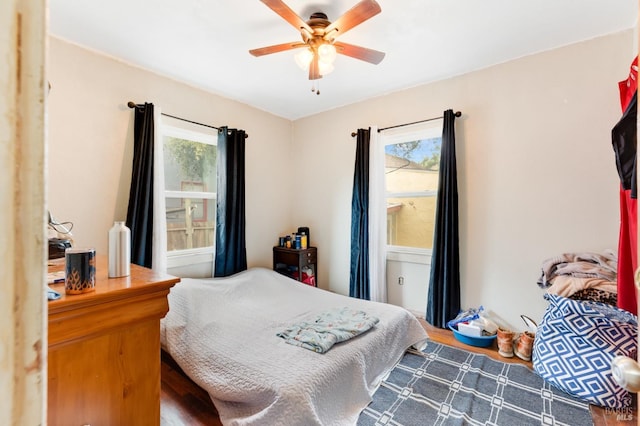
<point>223,333</point>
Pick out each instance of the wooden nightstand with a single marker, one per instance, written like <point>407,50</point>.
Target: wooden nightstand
<point>104,349</point>
<point>293,262</point>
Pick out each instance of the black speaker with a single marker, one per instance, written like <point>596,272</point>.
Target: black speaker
<point>57,247</point>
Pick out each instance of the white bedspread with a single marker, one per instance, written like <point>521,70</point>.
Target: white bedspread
<point>222,333</point>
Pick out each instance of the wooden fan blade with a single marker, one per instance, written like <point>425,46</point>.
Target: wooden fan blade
<point>362,53</point>
<point>267,50</point>
<point>314,68</point>
<point>352,17</point>
<point>287,14</point>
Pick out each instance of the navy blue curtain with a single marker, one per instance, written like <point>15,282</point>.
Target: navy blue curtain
<point>359,275</point>
<point>231,252</point>
<point>140,209</point>
<point>443,302</point>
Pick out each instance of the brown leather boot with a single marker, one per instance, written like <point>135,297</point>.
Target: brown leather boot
<point>524,345</point>
<point>505,342</point>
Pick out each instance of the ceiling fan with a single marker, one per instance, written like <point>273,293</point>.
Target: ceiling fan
<point>319,37</point>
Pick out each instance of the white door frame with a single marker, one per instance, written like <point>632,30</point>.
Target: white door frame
<point>23,310</point>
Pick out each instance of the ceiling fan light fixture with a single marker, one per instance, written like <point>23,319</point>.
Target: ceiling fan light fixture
<point>303,58</point>
<point>326,56</point>
<point>327,53</point>
<point>325,68</point>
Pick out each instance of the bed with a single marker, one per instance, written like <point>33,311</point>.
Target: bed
<point>223,333</point>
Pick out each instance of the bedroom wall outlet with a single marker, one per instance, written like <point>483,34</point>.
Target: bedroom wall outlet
<point>400,280</point>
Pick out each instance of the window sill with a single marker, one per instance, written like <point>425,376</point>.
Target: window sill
<point>399,254</point>
<point>188,257</point>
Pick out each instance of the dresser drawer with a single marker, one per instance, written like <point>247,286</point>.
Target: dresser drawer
<point>308,258</point>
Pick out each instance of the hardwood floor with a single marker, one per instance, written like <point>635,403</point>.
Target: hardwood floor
<point>182,402</point>
<point>185,403</point>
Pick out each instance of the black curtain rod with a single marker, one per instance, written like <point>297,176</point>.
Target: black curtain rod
<point>457,114</point>
<point>132,105</point>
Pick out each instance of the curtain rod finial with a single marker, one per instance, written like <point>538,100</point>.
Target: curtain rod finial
<point>131,104</point>
<point>458,114</point>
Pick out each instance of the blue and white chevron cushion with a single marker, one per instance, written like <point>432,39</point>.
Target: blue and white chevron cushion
<point>575,344</point>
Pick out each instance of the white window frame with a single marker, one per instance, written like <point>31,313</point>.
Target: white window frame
<point>187,257</point>
<point>427,130</point>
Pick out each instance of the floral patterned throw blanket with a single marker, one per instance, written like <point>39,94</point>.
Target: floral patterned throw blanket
<point>330,327</point>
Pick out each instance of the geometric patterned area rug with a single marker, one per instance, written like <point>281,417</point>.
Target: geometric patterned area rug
<point>450,386</point>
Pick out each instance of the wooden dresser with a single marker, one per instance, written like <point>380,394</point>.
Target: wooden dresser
<point>104,349</point>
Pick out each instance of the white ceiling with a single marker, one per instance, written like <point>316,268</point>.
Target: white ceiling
<point>205,42</point>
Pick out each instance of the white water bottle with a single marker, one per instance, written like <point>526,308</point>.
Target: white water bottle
<point>119,250</point>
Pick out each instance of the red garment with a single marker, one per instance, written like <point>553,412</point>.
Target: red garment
<point>628,242</point>
<point>628,87</point>
<point>627,252</point>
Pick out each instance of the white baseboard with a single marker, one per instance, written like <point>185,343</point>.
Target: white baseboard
<point>418,314</point>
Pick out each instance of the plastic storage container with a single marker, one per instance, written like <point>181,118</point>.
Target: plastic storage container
<point>479,341</point>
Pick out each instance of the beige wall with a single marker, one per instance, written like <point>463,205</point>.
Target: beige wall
<point>535,166</point>
<point>91,145</point>
<point>536,171</point>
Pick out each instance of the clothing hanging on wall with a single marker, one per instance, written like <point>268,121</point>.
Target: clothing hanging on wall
<point>624,140</point>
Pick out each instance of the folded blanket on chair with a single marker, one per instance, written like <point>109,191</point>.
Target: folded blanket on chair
<point>329,328</point>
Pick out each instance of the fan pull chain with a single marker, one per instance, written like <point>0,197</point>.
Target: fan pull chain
<point>315,89</point>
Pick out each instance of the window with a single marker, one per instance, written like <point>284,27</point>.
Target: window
<point>412,160</point>
<point>190,177</point>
